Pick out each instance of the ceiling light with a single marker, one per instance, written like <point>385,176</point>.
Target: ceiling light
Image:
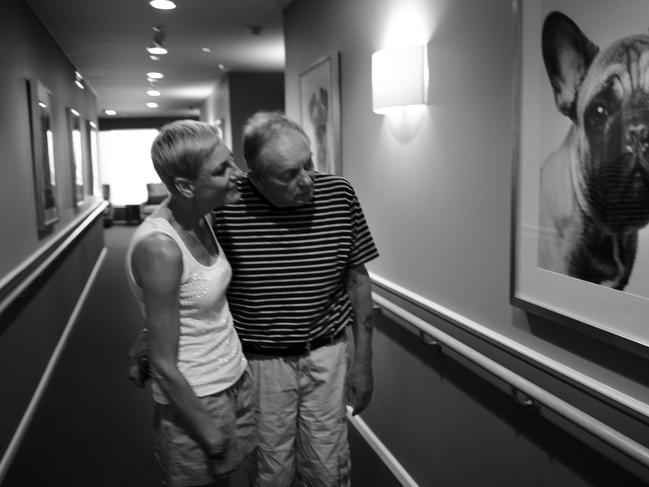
<point>206,49</point>
<point>156,49</point>
<point>110,112</point>
<point>153,93</point>
<point>154,58</point>
<point>163,4</point>
<point>154,75</point>
<point>78,80</point>
<point>152,104</point>
<point>221,67</point>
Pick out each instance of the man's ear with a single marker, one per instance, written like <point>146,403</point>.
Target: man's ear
<point>184,187</point>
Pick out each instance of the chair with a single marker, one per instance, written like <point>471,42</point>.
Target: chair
<point>156,193</point>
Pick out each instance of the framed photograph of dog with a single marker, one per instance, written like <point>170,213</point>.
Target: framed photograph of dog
<point>581,185</point>
<point>320,112</point>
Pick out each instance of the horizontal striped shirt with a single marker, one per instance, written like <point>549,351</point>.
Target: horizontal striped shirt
<point>289,265</point>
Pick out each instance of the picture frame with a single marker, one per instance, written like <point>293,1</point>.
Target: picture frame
<point>92,142</point>
<point>568,264</point>
<point>42,145</point>
<point>320,112</point>
<point>75,123</point>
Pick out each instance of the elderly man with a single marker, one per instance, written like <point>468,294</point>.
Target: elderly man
<point>297,242</point>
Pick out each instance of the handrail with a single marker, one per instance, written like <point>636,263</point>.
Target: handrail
<point>637,407</point>
<point>11,450</point>
<point>73,230</point>
<point>624,444</point>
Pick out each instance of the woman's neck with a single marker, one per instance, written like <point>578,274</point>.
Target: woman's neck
<point>184,213</point>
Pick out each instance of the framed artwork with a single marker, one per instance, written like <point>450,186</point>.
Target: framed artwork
<point>320,112</point>
<point>76,144</point>
<point>92,138</point>
<point>581,179</point>
<point>42,139</point>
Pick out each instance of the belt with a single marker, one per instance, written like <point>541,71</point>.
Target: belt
<point>293,348</point>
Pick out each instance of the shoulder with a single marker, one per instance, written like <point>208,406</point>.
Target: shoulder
<point>332,182</point>
<point>157,247</point>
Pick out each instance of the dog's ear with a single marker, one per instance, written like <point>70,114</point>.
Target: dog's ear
<point>567,54</point>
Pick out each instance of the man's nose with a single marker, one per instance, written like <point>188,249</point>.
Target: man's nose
<point>235,172</point>
<point>305,178</point>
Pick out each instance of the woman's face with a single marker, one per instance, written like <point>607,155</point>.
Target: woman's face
<point>215,185</point>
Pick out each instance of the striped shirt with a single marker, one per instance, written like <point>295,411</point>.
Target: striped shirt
<point>290,265</point>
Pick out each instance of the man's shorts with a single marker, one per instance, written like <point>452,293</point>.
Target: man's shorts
<point>183,461</point>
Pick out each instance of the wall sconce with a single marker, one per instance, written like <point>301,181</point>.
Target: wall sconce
<point>399,78</point>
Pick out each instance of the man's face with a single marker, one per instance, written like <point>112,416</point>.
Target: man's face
<point>286,176</point>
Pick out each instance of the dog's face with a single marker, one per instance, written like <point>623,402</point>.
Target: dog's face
<point>606,95</point>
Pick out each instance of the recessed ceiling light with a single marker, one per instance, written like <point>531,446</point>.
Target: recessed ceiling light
<point>153,93</point>
<point>206,49</point>
<point>221,67</point>
<point>110,112</point>
<point>162,4</point>
<point>152,104</point>
<point>157,49</point>
<point>154,75</point>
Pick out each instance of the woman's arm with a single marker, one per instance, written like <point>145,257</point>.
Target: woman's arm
<point>157,266</point>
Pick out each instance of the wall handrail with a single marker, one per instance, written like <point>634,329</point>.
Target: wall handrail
<point>633,405</point>
<point>55,248</point>
<point>612,437</point>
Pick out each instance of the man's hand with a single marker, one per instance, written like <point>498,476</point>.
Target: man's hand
<point>138,361</point>
<point>360,384</point>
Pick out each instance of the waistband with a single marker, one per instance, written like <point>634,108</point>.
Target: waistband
<point>294,348</point>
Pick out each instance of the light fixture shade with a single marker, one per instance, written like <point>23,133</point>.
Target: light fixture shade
<point>399,78</point>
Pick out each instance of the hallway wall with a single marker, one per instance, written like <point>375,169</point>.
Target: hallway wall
<point>33,316</point>
<point>236,97</point>
<point>436,188</point>
<point>30,52</point>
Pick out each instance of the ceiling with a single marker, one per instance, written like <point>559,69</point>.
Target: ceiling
<point>106,40</point>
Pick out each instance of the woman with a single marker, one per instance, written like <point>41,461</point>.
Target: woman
<point>204,424</point>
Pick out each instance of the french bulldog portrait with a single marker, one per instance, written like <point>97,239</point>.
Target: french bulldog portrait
<point>594,189</point>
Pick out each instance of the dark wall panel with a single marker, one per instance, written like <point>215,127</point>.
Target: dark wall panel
<point>31,328</point>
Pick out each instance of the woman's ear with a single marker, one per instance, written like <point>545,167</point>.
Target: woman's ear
<point>184,187</point>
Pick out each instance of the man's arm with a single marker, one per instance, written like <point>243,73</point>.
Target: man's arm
<point>360,381</point>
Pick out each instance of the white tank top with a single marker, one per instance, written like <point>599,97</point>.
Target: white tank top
<point>209,350</point>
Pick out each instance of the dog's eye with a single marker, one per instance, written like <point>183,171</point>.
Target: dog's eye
<point>596,116</point>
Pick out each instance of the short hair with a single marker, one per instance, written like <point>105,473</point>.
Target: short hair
<point>260,129</point>
<point>181,148</point>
